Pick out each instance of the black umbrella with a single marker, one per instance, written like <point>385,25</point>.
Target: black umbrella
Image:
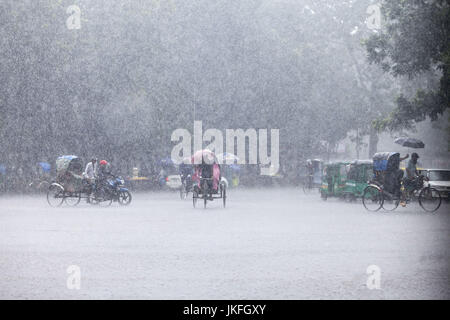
<point>410,143</point>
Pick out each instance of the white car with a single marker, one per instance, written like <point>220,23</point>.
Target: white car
<point>439,179</point>
<point>173,181</point>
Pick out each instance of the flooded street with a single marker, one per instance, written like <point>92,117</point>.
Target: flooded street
<point>267,244</point>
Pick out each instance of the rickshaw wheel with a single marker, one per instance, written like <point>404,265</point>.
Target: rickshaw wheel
<point>55,195</point>
<point>372,198</point>
<point>224,196</point>
<point>183,192</point>
<point>194,198</point>
<point>72,199</point>
<point>43,185</point>
<point>205,200</point>
<point>390,204</point>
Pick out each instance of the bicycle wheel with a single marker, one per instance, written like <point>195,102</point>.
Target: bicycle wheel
<point>55,195</point>
<point>307,187</point>
<point>372,198</point>
<point>430,199</point>
<point>390,202</point>
<point>72,199</point>
<point>205,193</point>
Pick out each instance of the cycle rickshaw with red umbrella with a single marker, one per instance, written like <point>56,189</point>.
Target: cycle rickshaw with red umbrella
<point>208,183</point>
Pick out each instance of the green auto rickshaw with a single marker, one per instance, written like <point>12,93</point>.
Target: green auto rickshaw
<point>358,174</point>
<point>334,180</point>
<point>345,179</point>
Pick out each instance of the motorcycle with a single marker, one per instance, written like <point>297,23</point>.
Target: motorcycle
<point>112,190</point>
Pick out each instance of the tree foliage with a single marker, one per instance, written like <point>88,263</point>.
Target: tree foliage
<point>137,70</point>
<point>415,40</point>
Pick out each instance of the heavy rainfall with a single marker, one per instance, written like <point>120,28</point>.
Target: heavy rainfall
<point>224,149</point>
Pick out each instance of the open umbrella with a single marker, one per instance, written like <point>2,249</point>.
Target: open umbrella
<point>204,155</point>
<point>166,162</point>
<point>227,158</point>
<point>410,143</point>
<point>46,167</point>
<point>235,167</point>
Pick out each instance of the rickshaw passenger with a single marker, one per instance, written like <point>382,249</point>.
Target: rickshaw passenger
<point>208,171</point>
<point>394,175</point>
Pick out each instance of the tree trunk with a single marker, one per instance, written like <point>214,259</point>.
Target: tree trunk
<point>373,142</point>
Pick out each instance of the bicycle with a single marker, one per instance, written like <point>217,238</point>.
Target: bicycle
<point>376,196</point>
<point>308,184</point>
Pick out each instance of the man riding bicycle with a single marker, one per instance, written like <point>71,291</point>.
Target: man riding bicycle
<point>310,174</point>
<point>412,175</point>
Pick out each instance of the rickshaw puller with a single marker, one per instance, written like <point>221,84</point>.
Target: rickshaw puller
<point>90,174</point>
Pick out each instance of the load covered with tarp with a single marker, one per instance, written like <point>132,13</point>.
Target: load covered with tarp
<point>386,161</point>
<point>69,170</point>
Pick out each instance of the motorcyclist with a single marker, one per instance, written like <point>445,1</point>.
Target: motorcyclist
<point>104,173</point>
<point>104,170</point>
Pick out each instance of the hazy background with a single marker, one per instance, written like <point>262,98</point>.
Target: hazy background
<point>136,70</point>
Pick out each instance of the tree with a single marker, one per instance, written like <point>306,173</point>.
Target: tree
<point>415,41</point>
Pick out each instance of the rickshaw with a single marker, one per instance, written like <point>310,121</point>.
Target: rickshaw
<point>208,184</point>
<point>70,186</point>
<point>69,183</point>
<point>359,173</point>
<point>387,188</point>
<point>334,180</point>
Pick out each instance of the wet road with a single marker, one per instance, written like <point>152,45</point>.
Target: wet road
<point>267,244</point>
